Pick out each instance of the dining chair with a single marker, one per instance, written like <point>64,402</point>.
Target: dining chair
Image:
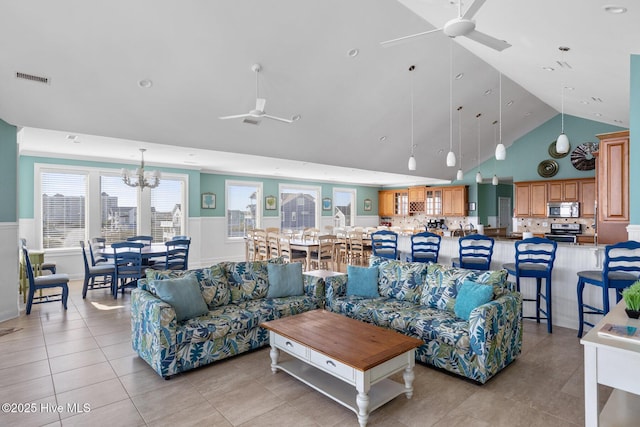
<point>97,244</point>
<point>180,237</point>
<point>290,255</point>
<point>98,276</point>
<point>49,266</point>
<point>177,254</point>
<point>273,243</point>
<point>620,269</point>
<point>127,259</point>
<point>356,248</point>
<point>40,283</point>
<point>250,246</point>
<point>146,240</point>
<point>534,258</point>
<point>425,247</point>
<point>262,252</point>
<point>324,256</point>
<point>474,252</point>
<point>384,243</point>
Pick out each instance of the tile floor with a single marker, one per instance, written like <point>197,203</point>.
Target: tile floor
<point>77,368</point>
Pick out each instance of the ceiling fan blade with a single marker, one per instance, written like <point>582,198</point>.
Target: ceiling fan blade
<point>278,118</point>
<point>473,9</point>
<point>237,116</point>
<point>488,41</point>
<point>260,103</point>
<point>401,39</point>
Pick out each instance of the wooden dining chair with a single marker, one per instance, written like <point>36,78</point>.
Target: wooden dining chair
<point>262,251</point>
<point>100,276</point>
<point>127,260</point>
<point>356,248</point>
<point>177,254</point>
<point>324,256</point>
<point>145,240</point>
<point>97,244</point>
<point>273,243</point>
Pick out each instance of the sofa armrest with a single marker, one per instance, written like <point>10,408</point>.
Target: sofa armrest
<point>335,286</point>
<point>314,286</point>
<point>495,331</point>
<point>153,331</point>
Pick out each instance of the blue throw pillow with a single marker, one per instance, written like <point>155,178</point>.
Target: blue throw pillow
<point>470,296</point>
<point>183,294</point>
<point>362,281</point>
<point>285,280</point>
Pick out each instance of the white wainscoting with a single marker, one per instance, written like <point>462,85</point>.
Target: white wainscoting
<point>9,261</point>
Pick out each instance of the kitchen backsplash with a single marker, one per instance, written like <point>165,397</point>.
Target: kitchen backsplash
<point>543,225</point>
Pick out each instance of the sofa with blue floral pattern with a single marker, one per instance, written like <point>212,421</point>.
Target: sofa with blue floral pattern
<point>418,300</point>
<point>236,297</point>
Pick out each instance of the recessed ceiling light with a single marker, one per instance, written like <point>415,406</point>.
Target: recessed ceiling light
<point>145,83</point>
<point>72,137</point>
<point>616,10</point>
<point>488,92</point>
<point>617,121</point>
<point>548,68</point>
<point>459,76</point>
<point>584,102</point>
<point>569,88</point>
<point>596,99</point>
<point>597,114</point>
<point>510,103</point>
<point>353,52</point>
<point>527,114</point>
<point>383,138</point>
<point>296,117</point>
<point>441,151</point>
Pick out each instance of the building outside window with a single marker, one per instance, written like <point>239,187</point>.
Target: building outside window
<point>344,201</point>
<point>243,207</point>
<point>299,207</point>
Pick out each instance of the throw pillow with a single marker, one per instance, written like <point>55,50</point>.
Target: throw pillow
<point>184,296</point>
<point>362,281</point>
<point>285,280</point>
<point>470,296</point>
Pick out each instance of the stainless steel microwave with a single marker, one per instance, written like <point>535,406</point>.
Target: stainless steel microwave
<point>563,210</point>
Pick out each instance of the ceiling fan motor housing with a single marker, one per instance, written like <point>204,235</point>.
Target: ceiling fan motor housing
<point>459,27</point>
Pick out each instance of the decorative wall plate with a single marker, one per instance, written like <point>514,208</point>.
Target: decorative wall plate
<point>548,168</point>
<point>582,157</point>
<point>553,153</point>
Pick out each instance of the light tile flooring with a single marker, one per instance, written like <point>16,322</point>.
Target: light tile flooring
<point>83,357</point>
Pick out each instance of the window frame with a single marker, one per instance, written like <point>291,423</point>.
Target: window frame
<point>316,188</point>
<point>354,201</point>
<point>259,205</point>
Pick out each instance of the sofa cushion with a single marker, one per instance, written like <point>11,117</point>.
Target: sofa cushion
<point>471,295</point>
<point>401,280</point>
<point>285,280</point>
<point>247,280</point>
<point>362,281</point>
<point>215,286</point>
<point>221,321</point>
<point>184,295</point>
<point>443,282</point>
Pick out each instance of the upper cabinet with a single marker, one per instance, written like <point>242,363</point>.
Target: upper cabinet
<point>532,196</point>
<point>454,201</point>
<point>531,199</point>
<point>563,191</point>
<point>613,187</point>
<point>434,201</point>
<point>393,202</point>
<point>417,199</point>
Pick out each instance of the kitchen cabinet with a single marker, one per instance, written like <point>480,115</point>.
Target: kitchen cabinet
<point>563,191</point>
<point>587,198</point>
<point>433,198</point>
<point>454,201</point>
<point>612,175</point>
<point>417,199</point>
<point>531,199</point>
<point>393,202</point>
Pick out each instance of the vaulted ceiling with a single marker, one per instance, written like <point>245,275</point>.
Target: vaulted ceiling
<point>195,59</point>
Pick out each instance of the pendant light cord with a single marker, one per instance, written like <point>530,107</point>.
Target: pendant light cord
<point>562,106</point>
<point>411,69</point>
<point>478,131</point>
<point>451,95</point>
<point>500,107</point>
<point>460,134</point>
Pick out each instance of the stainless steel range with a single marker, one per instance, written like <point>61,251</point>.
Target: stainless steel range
<point>564,232</point>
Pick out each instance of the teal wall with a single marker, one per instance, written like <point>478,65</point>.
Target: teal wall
<point>8,172</point>
<point>634,127</point>
<point>26,180</point>
<point>487,204</point>
<point>214,183</point>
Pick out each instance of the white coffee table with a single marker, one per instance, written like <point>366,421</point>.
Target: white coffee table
<point>335,354</point>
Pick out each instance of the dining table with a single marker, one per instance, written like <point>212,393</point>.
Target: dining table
<point>155,250</point>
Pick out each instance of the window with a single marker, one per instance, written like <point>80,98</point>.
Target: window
<point>344,201</point>
<point>243,202</point>
<point>63,196</point>
<point>75,203</point>
<point>299,207</point>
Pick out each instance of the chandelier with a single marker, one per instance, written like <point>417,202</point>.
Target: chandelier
<point>140,178</point>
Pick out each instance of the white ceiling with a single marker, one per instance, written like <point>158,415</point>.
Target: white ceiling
<point>198,56</point>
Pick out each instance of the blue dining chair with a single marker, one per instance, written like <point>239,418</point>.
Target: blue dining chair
<point>98,276</point>
<point>474,252</point>
<point>127,260</point>
<point>98,243</point>
<point>384,243</point>
<point>534,258</point>
<point>425,247</point>
<point>44,282</point>
<point>146,240</point>
<point>177,254</point>
<point>621,268</point>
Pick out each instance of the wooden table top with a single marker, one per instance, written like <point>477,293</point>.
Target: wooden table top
<point>352,342</point>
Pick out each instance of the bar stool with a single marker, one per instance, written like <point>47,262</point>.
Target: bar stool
<point>474,252</point>
<point>425,247</point>
<point>384,243</point>
<point>621,268</point>
<point>535,258</point>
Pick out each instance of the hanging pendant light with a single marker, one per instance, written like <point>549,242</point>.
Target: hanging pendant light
<point>412,160</point>
<point>451,156</point>
<point>478,174</point>
<point>460,174</point>
<point>494,180</point>
<point>562,143</point>
<point>501,151</point>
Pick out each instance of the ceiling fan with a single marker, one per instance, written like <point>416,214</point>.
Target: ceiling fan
<point>463,25</point>
<point>254,116</point>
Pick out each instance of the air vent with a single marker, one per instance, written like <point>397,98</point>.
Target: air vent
<point>596,99</point>
<point>251,121</point>
<point>564,64</point>
<point>32,78</point>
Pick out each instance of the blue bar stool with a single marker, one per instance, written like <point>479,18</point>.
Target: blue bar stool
<point>384,243</point>
<point>621,268</point>
<point>474,252</point>
<point>425,247</point>
<point>535,258</point>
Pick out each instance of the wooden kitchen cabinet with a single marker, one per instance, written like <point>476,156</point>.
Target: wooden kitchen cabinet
<point>385,203</point>
<point>433,201</point>
<point>417,199</point>
<point>531,199</point>
<point>564,191</point>
<point>587,198</point>
<point>612,174</point>
<point>454,201</point>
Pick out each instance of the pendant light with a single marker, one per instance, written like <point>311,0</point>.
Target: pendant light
<point>494,180</point>
<point>460,174</point>
<point>451,156</point>
<point>501,151</point>
<point>562,143</point>
<point>478,174</point>
<point>412,160</point>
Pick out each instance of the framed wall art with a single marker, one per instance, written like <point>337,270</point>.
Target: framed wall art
<point>367,204</point>
<point>326,204</point>
<point>208,201</point>
<point>270,203</point>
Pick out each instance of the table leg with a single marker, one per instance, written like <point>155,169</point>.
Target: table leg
<point>363,408</point>
<point>274,353</point>
<point>408,377</point>
<point>590,387</point>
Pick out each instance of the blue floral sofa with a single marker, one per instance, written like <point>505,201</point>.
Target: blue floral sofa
<point>236,296</point>
<point>418,300</point>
